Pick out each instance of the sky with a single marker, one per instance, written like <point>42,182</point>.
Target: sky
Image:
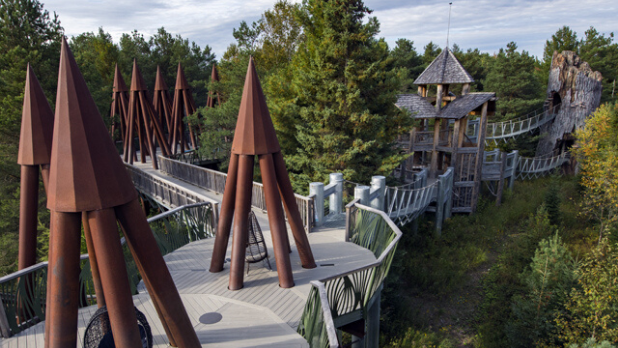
<point>485,24</point>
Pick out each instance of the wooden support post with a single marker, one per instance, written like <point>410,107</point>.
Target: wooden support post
<point>434,154</point>
<point>439,95</point>
<point>465,89</point>
<point>478,170</point>
<point>514,172</point>
<point>501,181</point>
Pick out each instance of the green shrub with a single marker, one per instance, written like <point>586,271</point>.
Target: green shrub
<point>548,280</point>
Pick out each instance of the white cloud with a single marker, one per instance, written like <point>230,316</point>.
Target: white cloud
<point>484,24</point>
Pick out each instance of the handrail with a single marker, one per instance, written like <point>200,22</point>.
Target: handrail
<point>214,181</point>
<point>317,322</point>
<point>23,305</point>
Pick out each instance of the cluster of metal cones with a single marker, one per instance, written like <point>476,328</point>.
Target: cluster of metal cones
<point>156,122</point>
<point>87,184</point>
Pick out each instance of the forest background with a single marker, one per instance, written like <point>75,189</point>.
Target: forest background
<point>331,84</point>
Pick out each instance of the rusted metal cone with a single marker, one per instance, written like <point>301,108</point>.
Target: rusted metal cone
<point>87,175</point>
<point>214,76</point>
<point>182,106</point>
<point>34,150</point>
<point>145,121</point>
<point>255,135</point>
<point>163,103</point>
<point>120,103</point>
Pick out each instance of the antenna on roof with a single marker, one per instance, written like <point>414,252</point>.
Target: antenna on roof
<point>450,4</point>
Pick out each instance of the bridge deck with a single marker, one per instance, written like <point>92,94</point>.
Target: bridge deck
<point>259,315</point>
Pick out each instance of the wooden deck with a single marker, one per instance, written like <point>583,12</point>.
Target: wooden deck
<point>259,315</point>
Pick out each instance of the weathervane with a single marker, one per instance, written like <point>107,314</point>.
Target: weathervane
<point>450,5</point>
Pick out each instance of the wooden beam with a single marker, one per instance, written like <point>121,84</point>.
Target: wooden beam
<point>501,182</point>
<point>434,154</point>
<point>455,143</point>
<point>478,171</point>
<point>439,95</point>
<point>465,89</point>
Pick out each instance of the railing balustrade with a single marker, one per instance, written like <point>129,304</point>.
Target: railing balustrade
<point>334,298</point>
<point>23,293</point>
<point>214,181</point>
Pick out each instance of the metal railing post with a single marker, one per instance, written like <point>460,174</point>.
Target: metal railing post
<point>317,189</point>
<point>362,193</point>
<point>378,184</point>
<point>336,199</point>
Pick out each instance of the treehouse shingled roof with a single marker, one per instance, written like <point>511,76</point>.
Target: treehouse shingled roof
<point>445,69</point>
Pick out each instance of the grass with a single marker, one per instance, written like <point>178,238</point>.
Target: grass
<point>458,288</point>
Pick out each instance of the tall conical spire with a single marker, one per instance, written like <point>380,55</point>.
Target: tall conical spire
<point>181,80</point>
<point>86,171</point>
<point>255,133</point>
<point>160,84</point>
<point>137,81</point>
<point>119,85</point>
<point>214,76</point>
<point>37,124</point>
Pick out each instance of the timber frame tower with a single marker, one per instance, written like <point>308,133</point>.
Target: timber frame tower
<point>440,139</point>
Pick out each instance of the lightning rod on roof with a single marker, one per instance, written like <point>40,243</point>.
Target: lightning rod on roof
<point>450,4</point>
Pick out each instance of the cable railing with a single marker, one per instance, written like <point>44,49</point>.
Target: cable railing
<point>332,299</point>
<point>214,181</point>
<point>23,293</point>
<point>502,131</point>
<point>535,167</point>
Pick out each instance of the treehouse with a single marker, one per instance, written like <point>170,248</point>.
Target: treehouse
<point>440,138</point>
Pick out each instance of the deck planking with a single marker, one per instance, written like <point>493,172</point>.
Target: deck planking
<point>261,314</point>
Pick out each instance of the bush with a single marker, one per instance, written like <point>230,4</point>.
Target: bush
<point>548,281</point>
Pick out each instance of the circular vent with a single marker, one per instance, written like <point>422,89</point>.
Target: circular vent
<point>99,331</point>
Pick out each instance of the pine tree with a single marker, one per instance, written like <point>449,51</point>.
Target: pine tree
<point>27,35</point>
<point>405,57</point>
<point>552,201</point>
<point>601,52</point>
<point>337,96</point>
<point>511,75</point>
<point>548,281</point>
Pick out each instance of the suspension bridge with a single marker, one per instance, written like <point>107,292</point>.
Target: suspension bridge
<point>505,130</point>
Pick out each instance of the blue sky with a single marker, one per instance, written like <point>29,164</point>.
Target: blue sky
<point>484,24</point>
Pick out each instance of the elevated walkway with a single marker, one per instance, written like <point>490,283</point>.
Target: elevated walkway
<point>261,314</point>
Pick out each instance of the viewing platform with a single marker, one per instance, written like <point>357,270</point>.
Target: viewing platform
<point>261,314</point>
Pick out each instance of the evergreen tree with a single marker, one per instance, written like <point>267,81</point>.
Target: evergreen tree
<point>338,94</point>
<point>475,64</point>
<point>601,52</point>
<point>552,201</point>
<point>548,281</point>
<point>27,35</point>
<point>96,56</point>
<point>404,56</point>
<point>431,52</point>
<point>592,306</point>
<point>511,75</point>
<point>564,39</point>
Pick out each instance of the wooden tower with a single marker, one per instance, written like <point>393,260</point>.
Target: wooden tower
<point>440,141</point>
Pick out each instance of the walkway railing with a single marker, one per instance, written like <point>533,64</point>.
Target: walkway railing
<point>340,299</point>
<point>214,181</point>
<point>23,293</point>
<point>502,131</point>
<point>168,194</point>
<point>534,167</point>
